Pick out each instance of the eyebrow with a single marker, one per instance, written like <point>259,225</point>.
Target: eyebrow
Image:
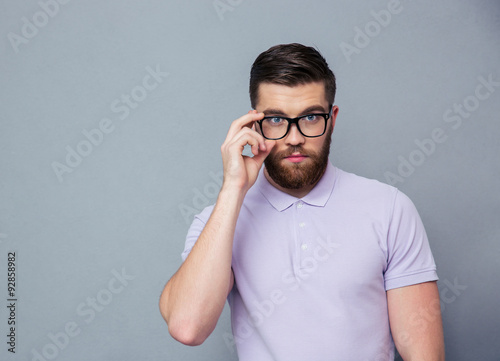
<point>308,110</point>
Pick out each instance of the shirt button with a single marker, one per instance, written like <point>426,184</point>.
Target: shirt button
<point>304,246</point>
<point>302,224</point>
<point>299,205</point>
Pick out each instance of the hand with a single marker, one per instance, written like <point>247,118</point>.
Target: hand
<point>241,171</point>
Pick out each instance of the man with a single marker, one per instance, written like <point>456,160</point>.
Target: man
<point>316,263</point>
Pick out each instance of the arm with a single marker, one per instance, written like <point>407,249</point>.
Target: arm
<point>415,321</point>
<point>193,299</point>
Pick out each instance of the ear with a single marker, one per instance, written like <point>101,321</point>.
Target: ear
<point>335,112</point>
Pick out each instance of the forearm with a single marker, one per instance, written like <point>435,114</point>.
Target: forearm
<point>194,298</point>
<point>416,326</point>
<point>425,344</point>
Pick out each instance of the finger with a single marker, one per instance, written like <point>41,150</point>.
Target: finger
<point>259,158</point>
<point>245,121</point>
<point>244,137</point>
<point>253,111</point>
<point>260,144</point>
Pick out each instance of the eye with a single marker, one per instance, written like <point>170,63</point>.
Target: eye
<point>275,120</point>
<point>311,118</point>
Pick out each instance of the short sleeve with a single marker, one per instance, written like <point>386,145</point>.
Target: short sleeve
<point>195,230</point>
<point>410,259</point>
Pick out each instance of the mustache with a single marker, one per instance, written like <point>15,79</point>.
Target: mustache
<point>294,149</point>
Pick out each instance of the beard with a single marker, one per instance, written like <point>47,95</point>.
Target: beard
<point>297,175</point>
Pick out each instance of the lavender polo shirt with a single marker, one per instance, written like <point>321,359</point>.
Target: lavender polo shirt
<point>311,274</point>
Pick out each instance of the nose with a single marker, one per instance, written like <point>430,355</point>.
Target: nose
<point>294,137</point>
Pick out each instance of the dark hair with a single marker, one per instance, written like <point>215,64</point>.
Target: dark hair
<point>291,65</point>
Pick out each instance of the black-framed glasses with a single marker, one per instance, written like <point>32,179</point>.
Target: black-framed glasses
<point>309,125</point>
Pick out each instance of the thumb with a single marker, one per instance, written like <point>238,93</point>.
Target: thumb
<point>259,158</point>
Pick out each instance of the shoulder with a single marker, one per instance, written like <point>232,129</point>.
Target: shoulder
<point>199,222</point>
<point>362,188</point>
<point>371,195</point>
<point>204,215</point>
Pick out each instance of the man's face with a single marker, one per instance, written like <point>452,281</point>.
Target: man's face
<point>296,162</point>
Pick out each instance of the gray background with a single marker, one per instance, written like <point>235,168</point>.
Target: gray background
<point>126,206</point>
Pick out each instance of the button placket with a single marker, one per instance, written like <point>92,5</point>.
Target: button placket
<point>304,250</point>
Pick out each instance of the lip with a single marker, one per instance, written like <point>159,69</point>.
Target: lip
<point>296,158</point>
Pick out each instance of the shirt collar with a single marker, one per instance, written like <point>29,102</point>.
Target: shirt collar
<point>318,196</point>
